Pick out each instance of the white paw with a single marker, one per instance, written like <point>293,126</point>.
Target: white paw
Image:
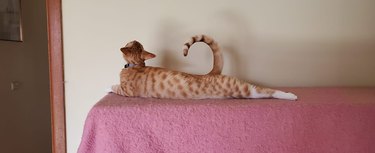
<point>284,95</point>
<point>290,96</point>
<point>113,88</point>
<point>108,90</point>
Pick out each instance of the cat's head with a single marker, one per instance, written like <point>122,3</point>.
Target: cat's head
<point>134,53</point>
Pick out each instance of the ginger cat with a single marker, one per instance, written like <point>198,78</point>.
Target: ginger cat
<point>139,80</point>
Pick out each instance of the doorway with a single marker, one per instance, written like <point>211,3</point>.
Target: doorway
<point>24,92</point>
<point>31,78</point>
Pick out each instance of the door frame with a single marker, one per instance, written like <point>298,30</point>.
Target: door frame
<point>56,75</point>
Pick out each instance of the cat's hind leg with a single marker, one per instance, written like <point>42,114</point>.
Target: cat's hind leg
<point>259,92</point>
<point>284,95</point>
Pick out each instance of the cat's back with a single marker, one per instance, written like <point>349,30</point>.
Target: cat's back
<point>164,83</point>
<point>165,75</point>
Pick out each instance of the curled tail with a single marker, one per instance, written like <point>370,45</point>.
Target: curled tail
<point>218,58</point>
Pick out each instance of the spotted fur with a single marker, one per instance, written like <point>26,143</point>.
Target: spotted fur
<point>146,81</point>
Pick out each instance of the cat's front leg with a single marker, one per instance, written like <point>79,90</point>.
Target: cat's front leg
<point>117,90</point>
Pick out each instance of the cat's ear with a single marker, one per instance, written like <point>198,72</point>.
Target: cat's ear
<point>124,50</point>
<point>147,55</point>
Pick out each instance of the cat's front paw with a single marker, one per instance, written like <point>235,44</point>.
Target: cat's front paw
<point>112,89</point>
<point>108,90</point>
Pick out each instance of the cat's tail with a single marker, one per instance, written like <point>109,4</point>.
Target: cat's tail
<point>218,58</point>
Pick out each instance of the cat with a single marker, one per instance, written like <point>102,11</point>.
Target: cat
<point>139,80</point>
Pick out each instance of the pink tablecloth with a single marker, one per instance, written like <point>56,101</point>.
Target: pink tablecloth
<point>323,120</point>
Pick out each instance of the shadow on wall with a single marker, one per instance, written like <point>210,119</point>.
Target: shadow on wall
<point>169,34</point>
<point>312,62</point>
<point>229,29</point>
<point>324,63</point>
<point>235,40</point>
<point>270,62</point>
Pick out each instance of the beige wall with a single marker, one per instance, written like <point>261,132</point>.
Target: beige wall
<point>25,113</point>
<point>273,43</point>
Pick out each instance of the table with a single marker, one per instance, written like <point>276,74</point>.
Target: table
<point>323,120</point>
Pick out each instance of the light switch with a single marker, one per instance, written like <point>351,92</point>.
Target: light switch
<point>14,85</point>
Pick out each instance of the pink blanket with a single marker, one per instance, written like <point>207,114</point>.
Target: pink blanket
<point>323,120</point>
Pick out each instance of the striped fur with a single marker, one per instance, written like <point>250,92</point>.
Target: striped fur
<point>217,56</point>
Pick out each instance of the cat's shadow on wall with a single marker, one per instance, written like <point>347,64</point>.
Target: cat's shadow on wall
<point>235,40</point>
<point>230,30</point>
<point>167,34</point>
